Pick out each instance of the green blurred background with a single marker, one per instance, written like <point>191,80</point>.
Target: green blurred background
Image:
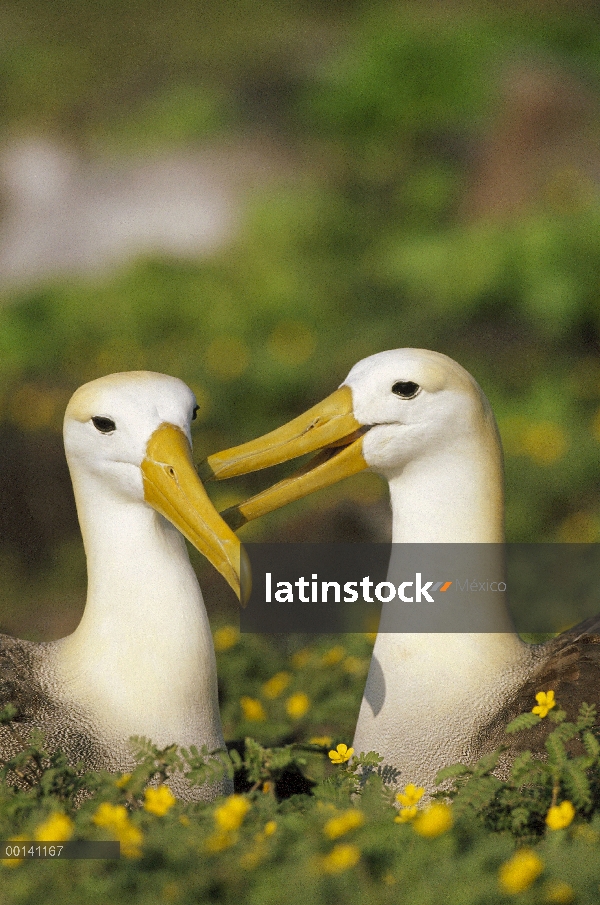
<point>429,175</point>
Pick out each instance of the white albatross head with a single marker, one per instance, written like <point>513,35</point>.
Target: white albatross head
<point>394,409</point>
<point>127,437</point>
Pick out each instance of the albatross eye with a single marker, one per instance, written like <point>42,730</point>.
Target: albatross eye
<point>196,407</point>
<point>104,425</point>
<point>406,389</point>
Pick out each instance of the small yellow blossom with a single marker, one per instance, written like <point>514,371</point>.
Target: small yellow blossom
<point>301,658</point>
<point>323,740</point>
<point>116,819</point>
<point>406,815</point>
<point>225,638</point>
<point>341,754</point>
<point>333,656</point>
<point>560,815</point>
<point>519,872</point>
<point>122,782</point>
<point>110,815</point>
<point>252,709</point>
<point>159,801</point>
<point>276,684</point>
<point>559,892</point>
<point>411,795</point>
<point>230,815</point>
<point>57,828</point>
<point>297,705</point>
<point>184,820</point>
<point>340,858</point>
<point>342,824</point>
<point>266,787</point>
<point>14,862</point>
<point>270,827</point>
<point>434,820</point>
<point>545,701</point>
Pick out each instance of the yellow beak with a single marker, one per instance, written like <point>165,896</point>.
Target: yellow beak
<point>329,427</point>
<point>172,487</point>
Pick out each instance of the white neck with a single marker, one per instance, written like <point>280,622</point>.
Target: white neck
<point>141,661</point>
<point>437,687</point>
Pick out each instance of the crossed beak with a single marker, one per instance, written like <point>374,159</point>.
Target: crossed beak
<point>329,428</point>
<point>172,487</point>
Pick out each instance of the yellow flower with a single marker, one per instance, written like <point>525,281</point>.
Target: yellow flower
<point>297,705</point>
<point>341,754</point>
<point>559,892</point>
<point>266,787</point>
<point>348,820</point>
<point>411,795</point>
<point>323,740</point>
<point>301,658</point>
<point>434,820</point>
<point>409,799</point>
<point>159,801</point>
<point>278,683</point>
<point>519,872</point>
<point>270,827</point>
<point>110,815</point>
<point>406,815</point>
<point>252,709</point>
<point>116,819</point>
<point>57,828</point>
<point>225,637</point>
<point>184,820</point>
<point>230,815</point>
<point>333,656</point>
<point>545,701</point>
<point>340,858</point>
<point>560,815</point>
<point>122,782</point>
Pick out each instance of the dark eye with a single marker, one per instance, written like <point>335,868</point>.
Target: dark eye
<point>196,407</point>
<point>104,425</point>
<point>406,389</point>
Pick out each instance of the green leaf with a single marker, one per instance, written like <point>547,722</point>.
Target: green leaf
<point>577,785</point>
<point>452,772</point>
<point>523,721</point>
<point>591,744</point>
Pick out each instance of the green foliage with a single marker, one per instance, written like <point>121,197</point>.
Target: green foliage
<point>518,803</point>
<point>337,841</point>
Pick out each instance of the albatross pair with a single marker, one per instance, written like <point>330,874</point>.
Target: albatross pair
<point>420,420</point>
<point>141,661</point>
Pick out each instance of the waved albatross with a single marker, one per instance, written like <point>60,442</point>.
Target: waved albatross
<point>141,661</point>
<point>420,420</point>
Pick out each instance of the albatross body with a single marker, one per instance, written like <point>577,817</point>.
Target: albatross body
<point>141,661</point>
<point>421,421</point>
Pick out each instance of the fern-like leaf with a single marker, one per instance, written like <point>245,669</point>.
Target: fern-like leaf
<point>591,744</point>
<point>523,721</point>
<point>452,772</point>
<point>577,785</point>
<point>586,716</point>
